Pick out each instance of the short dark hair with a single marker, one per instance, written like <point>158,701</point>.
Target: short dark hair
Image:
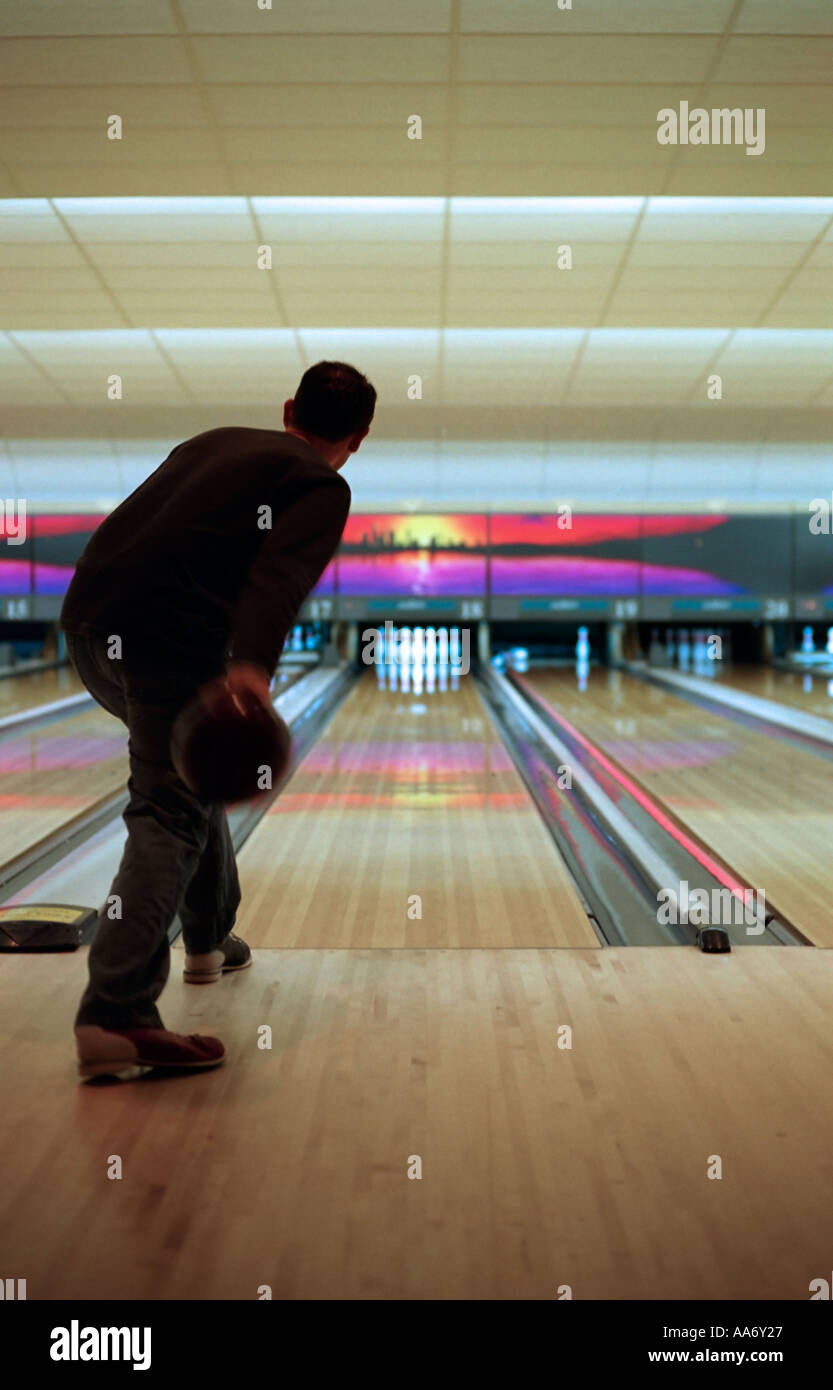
<point>333,401</point>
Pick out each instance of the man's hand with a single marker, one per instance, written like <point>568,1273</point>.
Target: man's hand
<point>241,677</point>
<point>244,675</point>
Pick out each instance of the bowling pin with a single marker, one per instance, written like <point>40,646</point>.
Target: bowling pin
<point>830,641</point>
<point>684,651</point>
<point>418,649</point>
<point>442,647</point>
<point>808,645</point>
<point>582,645</point>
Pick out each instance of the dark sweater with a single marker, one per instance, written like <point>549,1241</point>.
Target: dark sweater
<point>184,569</point>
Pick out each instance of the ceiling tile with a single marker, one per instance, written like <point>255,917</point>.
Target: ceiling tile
<point>288,58</point>
<point>584,58</point>
<point>47,62</point>
<point>317,17</point>
<point>604,16</point>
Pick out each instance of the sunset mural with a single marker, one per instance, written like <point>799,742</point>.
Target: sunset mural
<point>716,555</point>
<point>327,583</point>
<point>813,558</point>
<point>564,555</point>
<point>15,568</point>
<point>58,543</point>
<point>602,555</point>
<point>427,555</point>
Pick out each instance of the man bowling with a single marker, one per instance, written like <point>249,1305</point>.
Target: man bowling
<point>197,575</point>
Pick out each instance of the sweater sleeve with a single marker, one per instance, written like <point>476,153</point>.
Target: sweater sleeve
<point>288,565</point>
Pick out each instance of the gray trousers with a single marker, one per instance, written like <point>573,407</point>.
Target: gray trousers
<point>178,857</point>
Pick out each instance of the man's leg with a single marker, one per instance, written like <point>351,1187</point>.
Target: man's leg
<point>213,896</point>
<point>167,835</point>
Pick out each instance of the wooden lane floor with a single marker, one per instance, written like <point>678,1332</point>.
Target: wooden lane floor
<point>54,771</point>
<point>541,1166</point>
<point>812,694</point>
<point>25,691</point>
<point>51,773</point>
<point>764,805</point>
<point>407,805</point>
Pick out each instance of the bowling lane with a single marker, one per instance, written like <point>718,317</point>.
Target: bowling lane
<point>53,772</point>
<point>409,803</point>
<point>809,693</point>
<point>763,805</point>
<point>37,688</point>
<point>26,692</point>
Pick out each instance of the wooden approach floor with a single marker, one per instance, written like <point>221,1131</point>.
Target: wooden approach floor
<point>540,1166</point>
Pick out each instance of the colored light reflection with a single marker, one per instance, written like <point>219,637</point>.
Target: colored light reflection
<point>40,753</point>
<point>660,756</point>
<point>648,805</point>
<point>411,774</point>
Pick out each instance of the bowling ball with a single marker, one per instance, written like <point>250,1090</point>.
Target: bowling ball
<point>223,743</point>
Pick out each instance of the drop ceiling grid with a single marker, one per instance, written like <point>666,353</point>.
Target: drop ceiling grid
<point>217,100</point>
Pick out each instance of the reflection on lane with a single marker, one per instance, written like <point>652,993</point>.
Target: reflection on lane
<point>812,694</point>
<point>422,774</point>
<point>53,771</point>
<point>37,688</point>
<point>763,805</point>
<point>408,797</point>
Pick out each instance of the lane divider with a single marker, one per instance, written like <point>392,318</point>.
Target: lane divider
<point>729,879</point>
<point>794,720</point>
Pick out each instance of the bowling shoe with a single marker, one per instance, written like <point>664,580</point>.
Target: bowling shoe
<point>234,954</point>
<point>130,1052</point>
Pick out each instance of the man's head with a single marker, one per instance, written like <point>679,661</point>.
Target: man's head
<point>332,409</point>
